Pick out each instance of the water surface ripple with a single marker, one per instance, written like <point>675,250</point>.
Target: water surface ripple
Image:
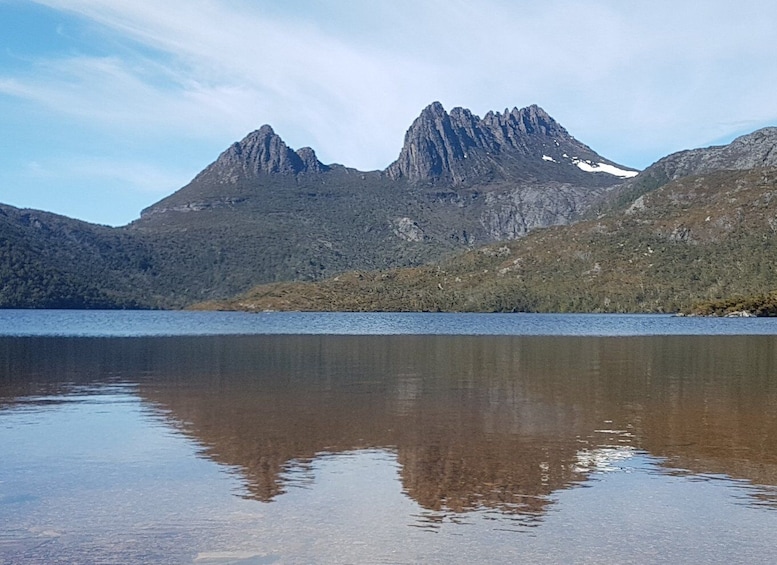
<point>590,445</point>
<point>129,323</point>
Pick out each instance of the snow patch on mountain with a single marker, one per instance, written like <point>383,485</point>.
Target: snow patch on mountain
<point>591,167</point>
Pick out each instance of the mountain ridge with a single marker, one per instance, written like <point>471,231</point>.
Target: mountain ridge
<point>459,181</point>
<point>460,147</point>
<point>454,150</point>
<point>757,149</point>
<point>263,212</point>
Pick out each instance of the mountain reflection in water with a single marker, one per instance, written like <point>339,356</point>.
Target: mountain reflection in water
<point>496,423</point>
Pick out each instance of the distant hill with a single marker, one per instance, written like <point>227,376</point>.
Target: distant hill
<point>752,151</point>
<point>50,261</point>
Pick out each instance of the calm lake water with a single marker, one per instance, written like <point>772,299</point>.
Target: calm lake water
<point>177,437</point>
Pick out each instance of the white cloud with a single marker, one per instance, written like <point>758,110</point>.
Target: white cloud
<point>635,80</point>
<point>228,70</point>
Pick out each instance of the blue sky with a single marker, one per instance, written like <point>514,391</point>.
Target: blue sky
<point>107,106</point>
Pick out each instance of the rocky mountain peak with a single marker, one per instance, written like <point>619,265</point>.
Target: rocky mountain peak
<point>528,130</point>
<point>433,109</point>
<point>435,142</point>
<point>262,152</point>
<point>529,120</point>
<point>757,149</point>
<point>460,147</point>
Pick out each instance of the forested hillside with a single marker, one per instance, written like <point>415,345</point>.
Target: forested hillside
<point>699,238</point>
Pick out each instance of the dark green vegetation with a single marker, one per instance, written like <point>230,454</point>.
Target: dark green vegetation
<point>286,228</point>
<point>475,215</point>
<point>50,261</point>
<point>763,305</point>
<point>700,238</point>
<point>291,227</point>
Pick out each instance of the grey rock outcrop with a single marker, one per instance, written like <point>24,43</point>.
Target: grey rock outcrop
<point>513,213</point>
<point>310,163</point>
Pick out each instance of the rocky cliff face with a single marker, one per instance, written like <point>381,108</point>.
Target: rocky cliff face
<point>519,145</point>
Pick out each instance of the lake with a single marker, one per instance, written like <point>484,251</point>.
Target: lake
<point>215,438</point>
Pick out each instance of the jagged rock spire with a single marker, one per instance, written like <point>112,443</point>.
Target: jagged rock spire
<point>435,142</point>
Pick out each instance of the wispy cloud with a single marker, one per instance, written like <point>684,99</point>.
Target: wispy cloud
<point>225,69</point>
<point>633,79</point>
<point>234,65</point>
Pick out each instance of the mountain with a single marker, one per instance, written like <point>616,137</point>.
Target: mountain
<point>702,237</point>
<point>263,212</point>
<point>526,166</point>
<point>751,151</point>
